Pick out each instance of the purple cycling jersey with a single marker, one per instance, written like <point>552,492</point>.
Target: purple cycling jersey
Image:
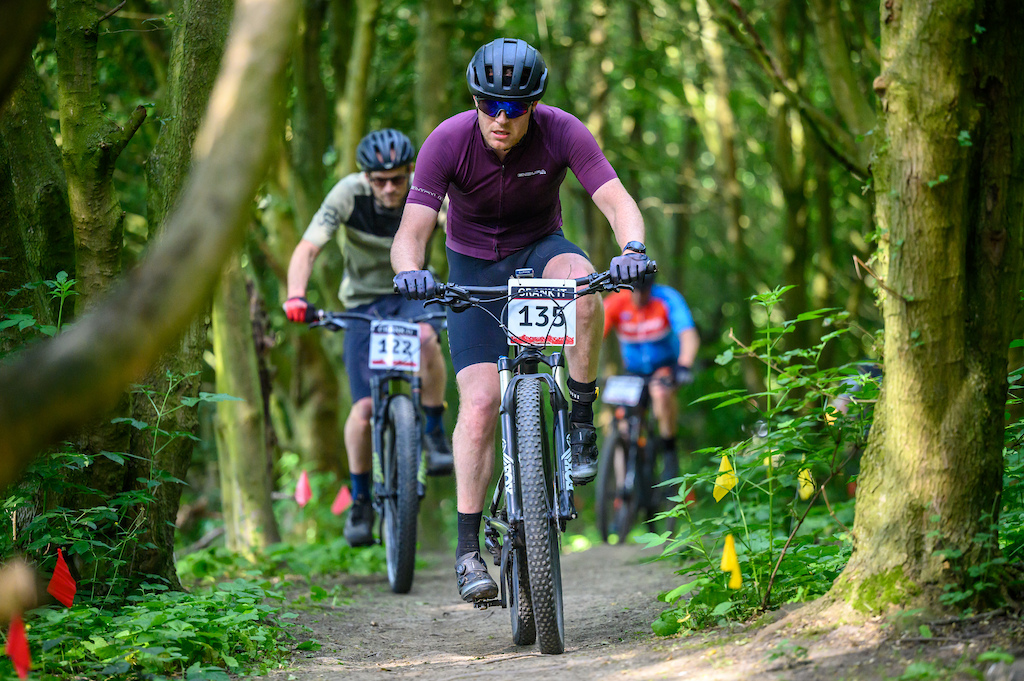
<point>497,208</point>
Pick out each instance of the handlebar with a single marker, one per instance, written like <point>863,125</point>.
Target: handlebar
<point>341,320</point>
<point>460,297</point>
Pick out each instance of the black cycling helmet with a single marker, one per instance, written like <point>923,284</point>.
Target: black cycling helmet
<point>383,150</point>
<point>507,68</point>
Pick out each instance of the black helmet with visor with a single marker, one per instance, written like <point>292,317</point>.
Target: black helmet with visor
<point>507,69</point>
<point>383,150</point>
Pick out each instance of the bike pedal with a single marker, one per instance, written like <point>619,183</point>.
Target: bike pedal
<point>483,605</point>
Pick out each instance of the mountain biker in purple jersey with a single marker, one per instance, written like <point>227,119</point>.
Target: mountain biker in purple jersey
<point>501,166</point>
<point>363,211</point>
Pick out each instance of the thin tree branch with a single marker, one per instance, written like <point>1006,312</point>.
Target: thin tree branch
<point>858,264</point>
<point>120,140</point>
<point>839,141</point>
<point>112,12</point>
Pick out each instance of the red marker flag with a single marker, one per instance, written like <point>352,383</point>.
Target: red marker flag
<point>342,501</point>
<point>62,584</point>
<point>302,491</point>
<point>17,647</point>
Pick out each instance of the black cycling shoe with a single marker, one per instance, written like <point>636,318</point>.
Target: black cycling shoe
<point>359,524</point>
<point>474,582</point>
<point>583,445</point>
<point>439,453</point>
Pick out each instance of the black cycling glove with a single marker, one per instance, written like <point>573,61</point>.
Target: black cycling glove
<point>415,284</point>
<point>628,268</point>
<point>683,375</point>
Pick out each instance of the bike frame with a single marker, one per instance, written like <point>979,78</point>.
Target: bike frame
<point>384,385</point>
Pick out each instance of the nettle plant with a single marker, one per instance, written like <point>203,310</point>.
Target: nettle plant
<point>785,490</point>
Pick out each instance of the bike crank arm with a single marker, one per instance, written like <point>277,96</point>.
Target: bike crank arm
<point>499,546</point>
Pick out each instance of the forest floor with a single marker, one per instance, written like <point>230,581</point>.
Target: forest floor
<point>367,632</point>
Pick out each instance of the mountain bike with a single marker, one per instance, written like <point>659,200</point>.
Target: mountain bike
<point>626,469</point>
<point>533,500</point>
<point>399,460</point>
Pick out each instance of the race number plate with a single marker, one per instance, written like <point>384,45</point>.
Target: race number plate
<point>542,312</point>
<point>623,391</point>
<point>394,345</point>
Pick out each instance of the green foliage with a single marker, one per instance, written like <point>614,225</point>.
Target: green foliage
<point>789,508</point>
<point>230,627</point>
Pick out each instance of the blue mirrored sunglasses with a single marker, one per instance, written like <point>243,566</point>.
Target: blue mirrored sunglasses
<point>492,107</point>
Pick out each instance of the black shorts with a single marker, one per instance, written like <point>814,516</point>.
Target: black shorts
<point>357,338</point>
<point>474,337</point>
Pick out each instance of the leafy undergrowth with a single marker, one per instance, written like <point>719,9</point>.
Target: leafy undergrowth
<point>783,498</point>
<point>233,627</point>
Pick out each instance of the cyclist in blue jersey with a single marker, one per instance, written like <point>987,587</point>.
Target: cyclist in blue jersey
<point>501,165</point>
<point>657,338</point>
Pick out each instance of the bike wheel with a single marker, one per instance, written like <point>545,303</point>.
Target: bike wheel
<point>606,496</point>
<point>540,529</point>
<point>524,630</point>
<point>401,460</point>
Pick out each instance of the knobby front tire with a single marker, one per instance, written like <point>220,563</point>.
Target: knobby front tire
<point>401,506</point>
<point>524,629</point>
<point>543,559</point>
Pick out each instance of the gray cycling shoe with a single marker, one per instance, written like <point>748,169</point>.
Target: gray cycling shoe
<point>359,524</point>
<point>474,582</point>
<point>583,446</point>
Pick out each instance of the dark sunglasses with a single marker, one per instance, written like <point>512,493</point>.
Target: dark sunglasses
<point>381,182</point>
<point>492,107</point>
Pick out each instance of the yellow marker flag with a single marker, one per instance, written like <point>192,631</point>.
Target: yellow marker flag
<point>806,488</point>
<point>726,479</point>
<point>730,563</point>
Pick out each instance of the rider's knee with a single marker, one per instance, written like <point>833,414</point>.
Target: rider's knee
<point>361,411</point>
<point>480,405</point>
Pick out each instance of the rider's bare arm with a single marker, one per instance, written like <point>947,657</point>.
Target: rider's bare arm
<point>300,267</point>
<point>409,249</point>
<point>621,210</point>
<point>689,343</point>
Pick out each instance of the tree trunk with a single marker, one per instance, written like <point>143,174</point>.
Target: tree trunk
<point>198,44</point>
<point>91,143</point>
<point>245,464</point>
<point>341,21</point>
<point>950,200</point>
<point>352,114</point>
<point>721,139</point>
<point>18,32</point>
<point>433,65</point>
<point>40,192</point>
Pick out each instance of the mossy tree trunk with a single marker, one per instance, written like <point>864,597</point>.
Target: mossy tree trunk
<point>41,224</point>
<point>245,463</point>
<point>91,142</point>
<point>352,109</point>
<point>949,181</point>
<point>197,46</point>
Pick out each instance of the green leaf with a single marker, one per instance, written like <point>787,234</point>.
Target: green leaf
<point>724,358</point>
<point>209,397</point>
<point>925,631</point>
<point>311,644</point>
<point>135,423</point>
<point>116,458</point>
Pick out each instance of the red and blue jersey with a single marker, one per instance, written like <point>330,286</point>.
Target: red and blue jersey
<point>648,336</point>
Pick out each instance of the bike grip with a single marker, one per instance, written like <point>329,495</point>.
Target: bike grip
<point>312,314</point>
<point>652,267</point>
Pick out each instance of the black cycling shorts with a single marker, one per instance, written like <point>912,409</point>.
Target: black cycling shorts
<point>357,337</point>
<point>474,337</point>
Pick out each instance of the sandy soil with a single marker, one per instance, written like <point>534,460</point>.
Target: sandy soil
<point>371,633</point>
